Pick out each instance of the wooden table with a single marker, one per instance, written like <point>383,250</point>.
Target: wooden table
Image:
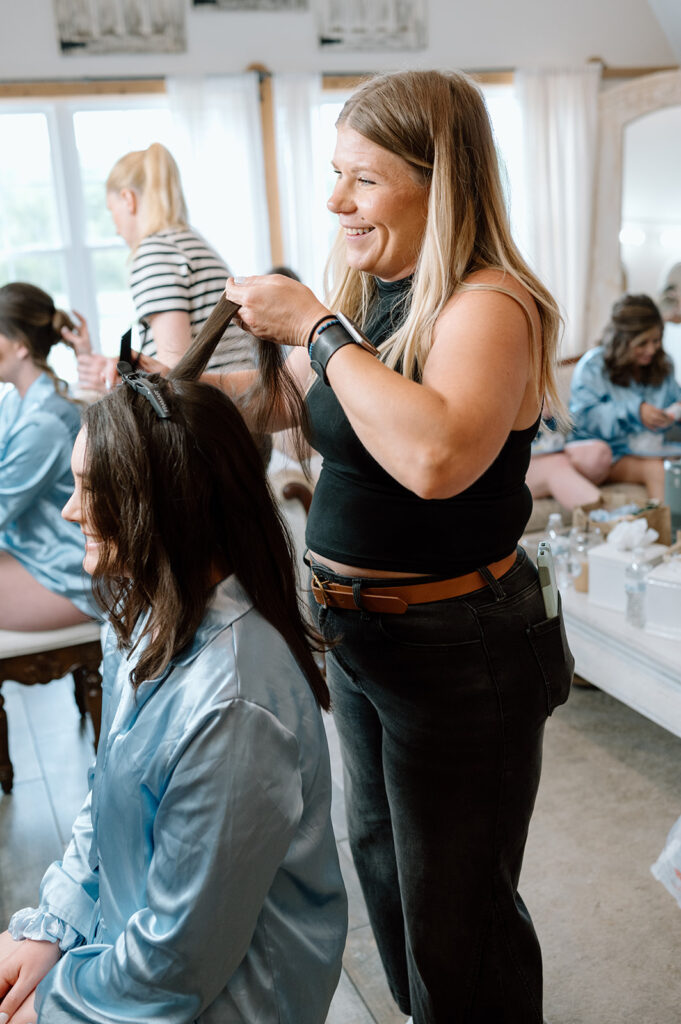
<point>637,667</point>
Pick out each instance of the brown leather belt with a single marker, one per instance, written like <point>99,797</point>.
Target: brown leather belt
<point>396,600</point>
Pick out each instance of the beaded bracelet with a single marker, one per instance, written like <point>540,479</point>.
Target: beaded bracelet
<point>327,316</point>
<point>341,331</point>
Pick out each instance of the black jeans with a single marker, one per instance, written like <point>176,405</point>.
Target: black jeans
<point>441,714</point>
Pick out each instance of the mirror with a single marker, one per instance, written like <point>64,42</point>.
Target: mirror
<point>650,231</point>
<point>639,153</point>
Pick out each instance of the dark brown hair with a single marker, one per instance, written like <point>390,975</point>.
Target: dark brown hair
<point>631,316</point>
<point>28,315</point>
<point>176,499</point>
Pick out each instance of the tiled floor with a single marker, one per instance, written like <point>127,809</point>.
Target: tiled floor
<point>611,789</point>
<point>51,749</point>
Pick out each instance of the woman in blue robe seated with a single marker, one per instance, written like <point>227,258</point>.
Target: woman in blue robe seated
<point>201,883</point>
<point>42,583</point>
<point>624,392</point>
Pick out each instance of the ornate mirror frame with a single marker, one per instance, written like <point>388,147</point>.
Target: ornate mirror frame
<point>617,107</point>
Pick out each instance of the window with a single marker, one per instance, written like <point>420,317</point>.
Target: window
<point>55,229</point>
<point>101,136</point>
<point>329,110</point>
<point>32,238</point>
<point>506,117</point>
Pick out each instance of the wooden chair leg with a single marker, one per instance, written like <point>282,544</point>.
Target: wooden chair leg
<point>78,692</point>
<point>6,770</point>
<point>89,682</point>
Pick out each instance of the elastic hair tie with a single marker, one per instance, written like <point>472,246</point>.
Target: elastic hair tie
<point>139,382</point>
<point>327,316</point>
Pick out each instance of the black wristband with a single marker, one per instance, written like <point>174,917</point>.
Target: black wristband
<point>333,337</point>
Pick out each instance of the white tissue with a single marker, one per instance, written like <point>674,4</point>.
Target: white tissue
<point>647,443</point>
<point>630,534</point>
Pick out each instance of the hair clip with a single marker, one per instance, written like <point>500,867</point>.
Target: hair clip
<point>139,382</point>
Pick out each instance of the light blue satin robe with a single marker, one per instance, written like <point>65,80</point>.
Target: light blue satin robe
<point>611,412</point>
<point>36,440</point>
<point>202,874</point>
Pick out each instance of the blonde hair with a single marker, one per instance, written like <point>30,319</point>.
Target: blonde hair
<point>438,123</point>
<point>153,174</point>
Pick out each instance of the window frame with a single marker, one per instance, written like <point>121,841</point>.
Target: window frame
<point>59,102</point>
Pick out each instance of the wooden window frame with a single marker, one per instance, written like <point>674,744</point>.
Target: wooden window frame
<point>330,82</point>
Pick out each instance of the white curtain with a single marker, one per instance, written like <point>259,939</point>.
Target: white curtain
<point>218,147</point>
<point>302,160</point>
<point>560,125</point>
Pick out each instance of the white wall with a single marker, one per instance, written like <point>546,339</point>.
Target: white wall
<point>463,33</point>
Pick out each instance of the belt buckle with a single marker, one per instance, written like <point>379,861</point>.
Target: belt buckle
<point>321,584</point>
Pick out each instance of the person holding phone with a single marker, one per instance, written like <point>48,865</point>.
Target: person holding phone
<point>624,392</point>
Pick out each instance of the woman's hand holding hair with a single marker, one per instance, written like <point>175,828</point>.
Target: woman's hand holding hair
<point>275,308</point>
<point>653,418</point>
<point>23,965</point>
<point>80,337</point>
<point>96,372</point>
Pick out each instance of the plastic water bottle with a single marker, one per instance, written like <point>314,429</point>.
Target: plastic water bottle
<point>559,540</point>
<point>672,492</point>
<point>635,588</point>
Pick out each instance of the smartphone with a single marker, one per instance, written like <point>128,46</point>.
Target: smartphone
<point>547,578</point>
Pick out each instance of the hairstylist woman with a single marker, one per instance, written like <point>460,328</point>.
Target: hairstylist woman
<point>201,884</point>
<point>175,276</point>
<point>42,584</point>
<point>446,668</point>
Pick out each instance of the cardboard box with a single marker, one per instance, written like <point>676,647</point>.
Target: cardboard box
<point>606,573</point>
<point>663,600</point>
<point>658,516</point>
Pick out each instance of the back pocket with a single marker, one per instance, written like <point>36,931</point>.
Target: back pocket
<point>554,657</point>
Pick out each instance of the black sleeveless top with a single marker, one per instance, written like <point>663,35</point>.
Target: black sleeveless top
<point>362,516</point>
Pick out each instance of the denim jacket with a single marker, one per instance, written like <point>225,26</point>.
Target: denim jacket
<point>201,882</point>
<point>611,412</point>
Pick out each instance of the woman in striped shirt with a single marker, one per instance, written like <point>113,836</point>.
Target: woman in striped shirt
<point>175,277</point>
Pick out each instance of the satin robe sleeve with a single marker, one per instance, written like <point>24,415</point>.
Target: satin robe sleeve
<point>228,812</point>
<point>68,893</point>
<point>596,411</point>
<point>31,461</point>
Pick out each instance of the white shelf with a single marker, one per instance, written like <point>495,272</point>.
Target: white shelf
<point>638,668</point>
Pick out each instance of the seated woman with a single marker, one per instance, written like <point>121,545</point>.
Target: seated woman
<point>624,392</point>
<point>566,471</point>
<point>202,882</point>
<point>42,584</point>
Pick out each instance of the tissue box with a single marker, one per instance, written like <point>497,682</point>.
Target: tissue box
<point>663,599</point>
<point>658,517</point>
<point>606,573</point>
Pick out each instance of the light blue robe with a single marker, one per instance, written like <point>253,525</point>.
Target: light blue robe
<point>36,440</point>
<point>610,412</point>
<point>202,874</point>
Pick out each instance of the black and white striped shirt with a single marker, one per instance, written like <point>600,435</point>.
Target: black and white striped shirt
<point>175,270</point>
